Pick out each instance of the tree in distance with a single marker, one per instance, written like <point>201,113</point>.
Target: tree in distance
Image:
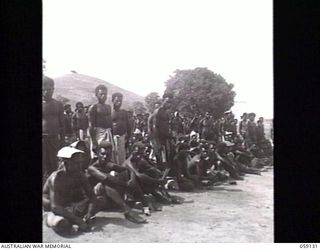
<point>139,108</point>
<point>200,90</point>
<point>151,99</point>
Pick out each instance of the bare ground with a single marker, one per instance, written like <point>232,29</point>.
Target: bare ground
<point>227,213</point>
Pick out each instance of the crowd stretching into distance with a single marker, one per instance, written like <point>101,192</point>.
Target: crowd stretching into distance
<point>100,157</point>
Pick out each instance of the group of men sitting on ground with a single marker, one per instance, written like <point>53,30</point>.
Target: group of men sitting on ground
<point>98,163</point>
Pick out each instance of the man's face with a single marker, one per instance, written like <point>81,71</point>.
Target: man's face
<point>47,92</point>
<point>117,102</point>
<point>104,155</point>
<point>138,153</point>
<point>79,107</point>
<point>102,95</point>
<point>251,118</point>
<point>74,163</point>
<point>167,103</point>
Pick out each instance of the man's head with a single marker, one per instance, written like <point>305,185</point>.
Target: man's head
<point>157,105</point>
<point>72,158</point>
<point>104,152</point>
<point>117,100</point>
<point>244,116</point>
<point>86,109</point>
<point>167,100</point>
<point>261,119</point>
<point>207,115</point>
<point>79,106</point>
<point>138,150</point>
<point>101,92</point>
<point>47,88</point>
<point>67,108</point>
<point>252,116</point>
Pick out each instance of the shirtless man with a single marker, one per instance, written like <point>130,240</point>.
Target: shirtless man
<point>112,187</point>
<point>251,137</point>
<point>148,176</point>
<point>68,196</point>
<point>52,127</point>
<point>206,127</point>
<point>158,128</point>
<point>100,120</point>
<point>221,155</point>
<point>243,125</point>
<point>80,122</point>
<point>68,130</point>
<point>120,128</point>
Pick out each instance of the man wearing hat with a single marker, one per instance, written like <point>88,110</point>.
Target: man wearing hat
<point>52,127</point>
<point>67,194</point>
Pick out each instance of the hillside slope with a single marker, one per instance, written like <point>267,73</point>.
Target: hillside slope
<point>78,87</point>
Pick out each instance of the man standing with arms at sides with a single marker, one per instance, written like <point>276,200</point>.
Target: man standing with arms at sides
<point>206,127</point>
<point>100,121</point>
<point>68,131</point>
<point>158,126</point>
<point>120,128</point>
<point>243,125</point>
<point>251,137</point>
<point>80,122</point>
<point>52,127</point>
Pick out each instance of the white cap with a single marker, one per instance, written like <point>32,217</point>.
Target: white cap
<point>228,143</point>
<point>137,131</point>
<point>68,152</point>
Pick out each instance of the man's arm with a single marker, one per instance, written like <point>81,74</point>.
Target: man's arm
<point>92,114</point>
<point>61,122</point>
<point>99,175</point>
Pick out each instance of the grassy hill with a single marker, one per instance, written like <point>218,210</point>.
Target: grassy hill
<point>77,87</point>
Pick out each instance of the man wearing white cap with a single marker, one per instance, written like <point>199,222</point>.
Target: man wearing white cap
<point>63,194</point>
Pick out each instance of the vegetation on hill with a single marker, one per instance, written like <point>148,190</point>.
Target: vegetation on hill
<point>78,87</point>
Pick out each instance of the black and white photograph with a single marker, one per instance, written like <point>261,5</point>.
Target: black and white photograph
<point>157,121</point>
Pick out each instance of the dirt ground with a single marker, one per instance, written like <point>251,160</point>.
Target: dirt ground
<point>227,213</point>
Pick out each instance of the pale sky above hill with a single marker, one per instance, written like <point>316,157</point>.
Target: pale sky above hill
<point>137,44</point>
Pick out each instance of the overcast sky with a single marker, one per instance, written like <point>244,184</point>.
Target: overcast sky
<point>137,44</point>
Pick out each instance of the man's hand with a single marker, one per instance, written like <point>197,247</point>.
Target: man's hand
<point>95,147</point>
<point>162,182</point>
